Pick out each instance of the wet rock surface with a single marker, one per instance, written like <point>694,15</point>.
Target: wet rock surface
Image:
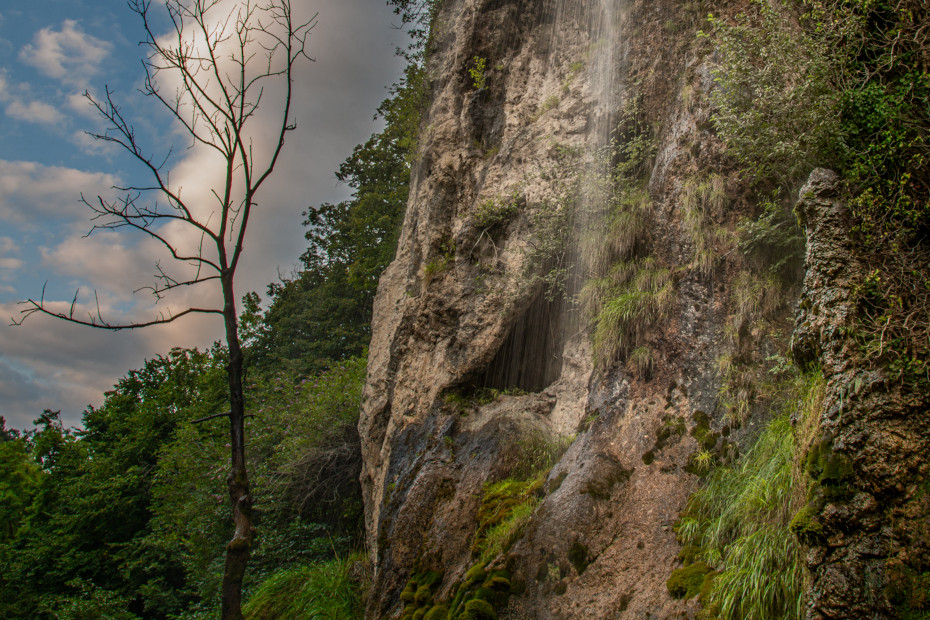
<point>875,516</point>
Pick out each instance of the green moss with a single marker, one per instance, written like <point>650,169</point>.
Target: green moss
<point>408,594</point>
<point>671,427</point>
<point>499,583</point>
<point>423,595</point>
<point>496,598</point>
<point>909,592</point>
<point>418,614</point>
<point>437,612</point>
<point>805,525</point>
<point>602,487</point>
<point>687,582</point>
<point>557,481</point>
<point>578,556</point>
<point>474,574</point>
<point>477,609</point>
<point>688,554</point>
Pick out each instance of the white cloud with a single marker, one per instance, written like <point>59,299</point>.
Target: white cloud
<point>69,54</point>
<point>78,103</point>
<point>31,192</point>
<point>34,112</point>
<point>9,264</point>
<point>22,109</point>
<point>7,245</point>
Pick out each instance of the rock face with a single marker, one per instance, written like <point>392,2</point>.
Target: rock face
<point>461,309</point>
<point>473,355</point>
<point>872,553</point>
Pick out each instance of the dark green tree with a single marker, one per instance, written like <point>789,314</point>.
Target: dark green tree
<point>88,522</point>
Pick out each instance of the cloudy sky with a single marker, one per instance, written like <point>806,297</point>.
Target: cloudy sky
<point>51,52</point>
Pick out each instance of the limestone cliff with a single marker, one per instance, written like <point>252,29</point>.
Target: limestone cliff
<point>480,346</point>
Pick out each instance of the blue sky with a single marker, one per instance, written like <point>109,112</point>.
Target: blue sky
<point>51,52</point>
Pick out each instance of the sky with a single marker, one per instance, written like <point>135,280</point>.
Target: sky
<point>51,53</point>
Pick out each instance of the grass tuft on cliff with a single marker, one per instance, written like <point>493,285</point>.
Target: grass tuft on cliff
<point>741,521</point>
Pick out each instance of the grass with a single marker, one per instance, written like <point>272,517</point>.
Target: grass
<point>741,519</point>
<point>323,590</point>
<point>626,304</point>
<point>702,201</point>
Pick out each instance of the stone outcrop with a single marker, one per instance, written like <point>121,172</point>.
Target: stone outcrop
<point>873,515</point>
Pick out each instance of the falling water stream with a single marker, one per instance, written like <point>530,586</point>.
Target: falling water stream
<point>531,356</point>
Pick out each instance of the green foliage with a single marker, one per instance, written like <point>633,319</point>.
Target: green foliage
<point>742,518</point>
<point>20,478</point>
<point>82,600</point>
<point>634,297</point>
<point>323,590</point>
<point>776,106</point>
<point>773,242</point>
<point>703,201</point>
<point>496,211</point>
<point>478,72</point>
<point>549,263</point>
<point>627,292</point>
<point>845,85</point>
<point>440,263</point>
<point>92,513</point>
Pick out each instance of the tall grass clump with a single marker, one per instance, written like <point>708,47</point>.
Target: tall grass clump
<point>626,304</point>
<point>323,590</point>
<point>703,201</point>
<point>739,523</point>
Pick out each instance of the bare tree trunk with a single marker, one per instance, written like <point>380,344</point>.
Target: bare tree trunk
<point>239,548</point>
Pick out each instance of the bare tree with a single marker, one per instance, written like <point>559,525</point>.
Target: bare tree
<point>210,71</point>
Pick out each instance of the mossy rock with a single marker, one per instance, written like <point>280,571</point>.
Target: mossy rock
<point>687,582</point>
<point>498,582</point>
<point>578,556</point>
<point>423,595</point>
<point>556,482</point>
<point>909,592</point>
<point>474,575</point>
<point>649,457</point>
<point>494,597</point>
<point>805,525</point>
<point>688,554</point>
<point>437,612</point>
<point>477,609</point>
<point>418,614</point>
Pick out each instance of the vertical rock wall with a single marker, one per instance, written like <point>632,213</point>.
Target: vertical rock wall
<point>455,306</point>
<point>462,309</point>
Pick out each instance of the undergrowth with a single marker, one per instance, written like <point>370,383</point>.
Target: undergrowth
<point>739,523</point>
<point>323,590</point>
